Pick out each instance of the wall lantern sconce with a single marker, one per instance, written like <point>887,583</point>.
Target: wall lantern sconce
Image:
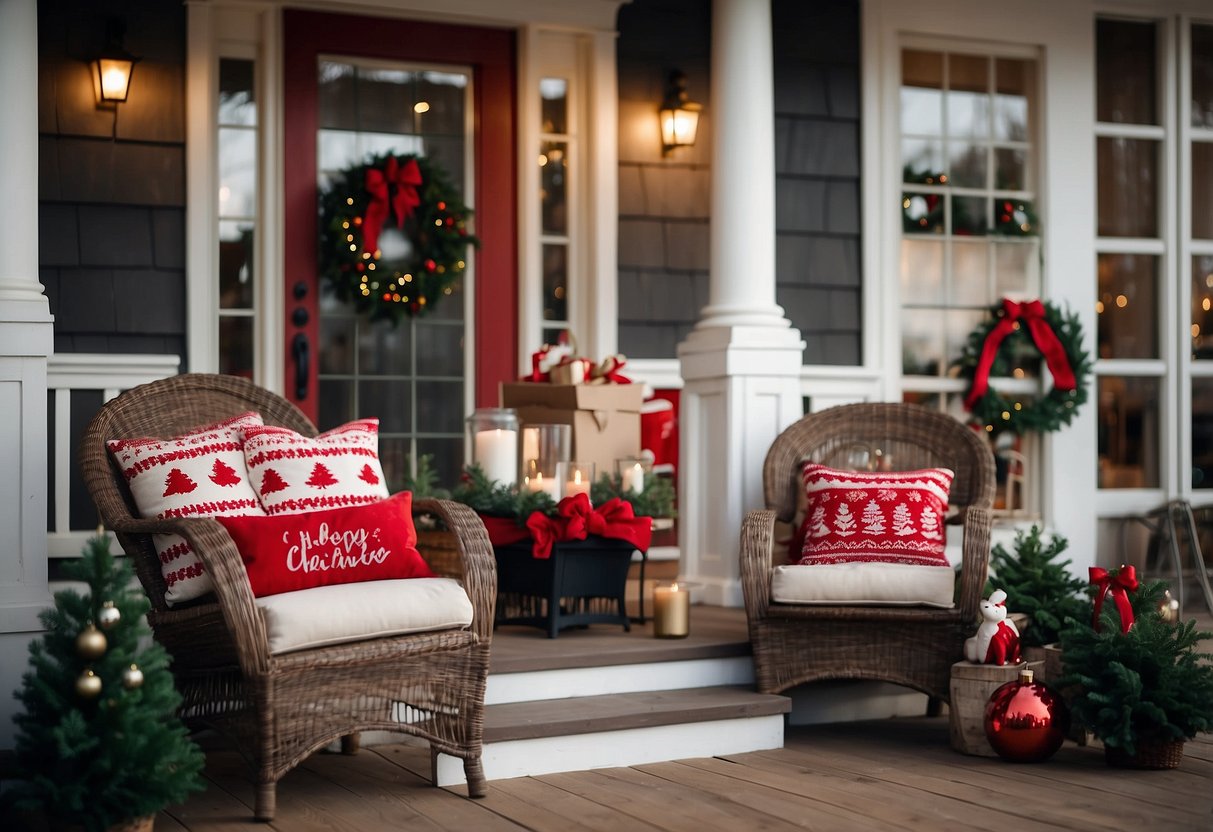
<point>679,116</point>
<point>112,69</point>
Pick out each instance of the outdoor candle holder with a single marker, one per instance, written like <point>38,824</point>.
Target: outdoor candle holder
<point>672,610</point>
<point>575,477</point>
<point>537,476</point>
<point>632,471</point>
<point>545,445</point>
<point>493,437</point>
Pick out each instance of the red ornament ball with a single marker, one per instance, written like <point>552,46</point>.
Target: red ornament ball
<point>1026,722</point>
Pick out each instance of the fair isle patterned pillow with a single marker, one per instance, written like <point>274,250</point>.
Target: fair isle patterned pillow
<point>198,474</point>
<point>875,517</point>
<point>293,473</point>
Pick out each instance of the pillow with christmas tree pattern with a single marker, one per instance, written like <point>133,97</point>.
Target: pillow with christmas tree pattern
<point>292,473</point>
<point>198,474</point>
<point>875,517</point>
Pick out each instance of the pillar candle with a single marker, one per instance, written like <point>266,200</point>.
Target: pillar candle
<point>577,484</point>
<point>540,483</point>
<point>496,453</point>
<point>671,611</point>
<point>633,478</point>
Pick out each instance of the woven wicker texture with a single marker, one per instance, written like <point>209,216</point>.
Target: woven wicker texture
<point>912,646</point>
<point>1157,754</point>
<point>280,709</point>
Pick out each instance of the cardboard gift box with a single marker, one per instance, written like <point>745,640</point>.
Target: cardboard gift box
<point>605,417</point>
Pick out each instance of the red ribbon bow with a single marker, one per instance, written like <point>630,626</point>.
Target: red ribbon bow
<point>609,371</point>
<point>1033,312</point>
<point>1119,583</point>
<point>379,183</point>
<point>576,519</point>
<point>537,359</point>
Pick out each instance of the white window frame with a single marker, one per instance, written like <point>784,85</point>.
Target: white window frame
<point>1063,36</point>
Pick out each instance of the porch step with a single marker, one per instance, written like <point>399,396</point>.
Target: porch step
<point>622,729</point>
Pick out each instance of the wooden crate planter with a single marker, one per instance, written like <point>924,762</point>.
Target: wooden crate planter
<point>583,582</point>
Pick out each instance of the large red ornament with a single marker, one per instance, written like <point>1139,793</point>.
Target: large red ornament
<point>1025,721</point>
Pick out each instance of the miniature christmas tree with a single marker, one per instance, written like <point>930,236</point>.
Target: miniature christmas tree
<point>1038,585</point>
<point>99,741</point>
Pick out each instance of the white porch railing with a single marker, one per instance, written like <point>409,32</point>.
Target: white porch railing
<point>69,373</point>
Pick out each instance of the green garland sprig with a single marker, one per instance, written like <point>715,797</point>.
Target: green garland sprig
<point>999,412</point>
<point>435,227</point>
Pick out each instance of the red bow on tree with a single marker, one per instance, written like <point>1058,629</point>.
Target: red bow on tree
<point>1032,312</point>
<point>404,179</point>
<point>576,519</point>
<point>1119,583</point>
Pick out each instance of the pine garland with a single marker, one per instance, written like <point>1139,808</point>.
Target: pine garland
<point>1149,684</point>
<point>1037,585</point>
<point>656,500</point>
<point>123,753</point>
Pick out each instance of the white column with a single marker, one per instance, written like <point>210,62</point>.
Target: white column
<point>26,332</point>
<point>741,364</point>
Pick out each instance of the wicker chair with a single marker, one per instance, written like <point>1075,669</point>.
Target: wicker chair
<point>913,646</point>
<point>279,709</point>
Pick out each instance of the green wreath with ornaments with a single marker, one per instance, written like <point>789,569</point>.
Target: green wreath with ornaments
<point>393,236</point>
<point>1015,337</point>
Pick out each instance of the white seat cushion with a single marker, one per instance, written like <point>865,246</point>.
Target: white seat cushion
<point>354,612</point>
<point>864,583</point>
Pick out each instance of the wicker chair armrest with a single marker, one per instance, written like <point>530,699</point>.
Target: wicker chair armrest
<point>975,561</point>
<point>757,538</point>
<point>218,553</point>
<point>476,556</point>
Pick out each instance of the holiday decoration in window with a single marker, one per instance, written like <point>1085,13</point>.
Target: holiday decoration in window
<point>393,236</point>
<point>1017,336</point>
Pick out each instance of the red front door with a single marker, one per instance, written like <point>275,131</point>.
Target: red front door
<point>357,86</point>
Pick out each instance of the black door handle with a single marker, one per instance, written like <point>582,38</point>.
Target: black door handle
<point>300,351</point>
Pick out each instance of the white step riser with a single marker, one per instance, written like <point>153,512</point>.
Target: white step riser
<point>629,678</point>
<point>611,749</point>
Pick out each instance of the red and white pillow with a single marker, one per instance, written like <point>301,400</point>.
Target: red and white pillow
<point>875,517</point>
<point>198,474</point>
<point>871,538</point>
<point>372,542</point>
<point>292,473</point>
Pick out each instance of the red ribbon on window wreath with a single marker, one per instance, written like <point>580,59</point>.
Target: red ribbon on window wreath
<point>1033,314</point>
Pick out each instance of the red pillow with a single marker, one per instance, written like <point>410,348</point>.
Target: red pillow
<point>875,517</point>
<point>373,542</point>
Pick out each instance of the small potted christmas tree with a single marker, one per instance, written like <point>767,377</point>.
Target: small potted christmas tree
<point>99,745</point>
<point>1139,684</point>
<point>1037,585</point>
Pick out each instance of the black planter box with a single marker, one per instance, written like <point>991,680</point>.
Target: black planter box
<point>582,583</point>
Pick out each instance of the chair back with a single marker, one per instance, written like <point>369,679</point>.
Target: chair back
<point>879,436</point>
<point>164,409</point>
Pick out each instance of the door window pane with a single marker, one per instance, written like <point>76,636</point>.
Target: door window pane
<point>552,194</point>
<point>1125,67</point>
<point>922,271</point>
<point>554,101</point>
<point>1202,190</point>
<point>1015,84</point>
<point>236,156</point>
<point>555,283</point>
<point>1128,432</point>
<point>1128,306</point>
<point>1202,433</point>
<point>236,346</point>
<point>921,93</point>
<point>235,265</point>
<point>237,102</point>
<point>1202,307</point>
<point>1202,76</point>
<point>1128,184</point>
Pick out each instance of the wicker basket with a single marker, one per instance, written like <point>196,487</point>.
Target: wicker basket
<point>1151,754</point>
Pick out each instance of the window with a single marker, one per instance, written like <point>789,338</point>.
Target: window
<point>1154,265</point>
<point>968,128</point>
<point>237,208</point>
<point>555,142</point>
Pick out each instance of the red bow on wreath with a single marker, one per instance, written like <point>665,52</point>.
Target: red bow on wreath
<point>1119,585</point>
<point>1033,312</point>
<point>404,179</point>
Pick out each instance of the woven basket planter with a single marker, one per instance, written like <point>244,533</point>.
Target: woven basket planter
<point>1155,754</point>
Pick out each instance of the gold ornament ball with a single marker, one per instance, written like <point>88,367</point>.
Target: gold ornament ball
<point>109,615</point>
<point>91,643</point>
<point>132,677</point>
<point>1168,608</point>
<point>88,685</point>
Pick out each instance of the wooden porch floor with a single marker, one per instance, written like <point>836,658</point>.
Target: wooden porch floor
<point>891,774</point>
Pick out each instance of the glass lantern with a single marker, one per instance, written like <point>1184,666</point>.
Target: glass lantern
<point>493,437</point>
<point>543,448</point>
